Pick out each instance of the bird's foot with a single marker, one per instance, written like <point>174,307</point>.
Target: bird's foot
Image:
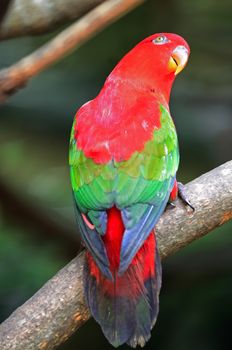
<point>170,205</point>
<point>183,196</point>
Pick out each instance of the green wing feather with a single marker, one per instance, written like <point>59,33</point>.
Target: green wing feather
<point>140,179</point>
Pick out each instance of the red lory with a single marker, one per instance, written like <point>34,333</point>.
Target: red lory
<point>124,158</point>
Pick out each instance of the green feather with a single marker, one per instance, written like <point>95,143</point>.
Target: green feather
<point>143,178</point>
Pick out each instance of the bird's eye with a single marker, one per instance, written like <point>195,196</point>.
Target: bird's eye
<point>160,40</point>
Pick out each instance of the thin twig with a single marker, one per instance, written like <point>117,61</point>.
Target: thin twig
<point>17,75</point>
<point>58,309</point>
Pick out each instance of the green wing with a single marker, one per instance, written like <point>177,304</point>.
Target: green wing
<point>137,180</point>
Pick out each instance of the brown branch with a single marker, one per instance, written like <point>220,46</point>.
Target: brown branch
<point>58,309</point>
<point>17,75</point>
<point>29,17</point>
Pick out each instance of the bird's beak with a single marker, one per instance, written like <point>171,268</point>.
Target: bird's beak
<point>178,59</point>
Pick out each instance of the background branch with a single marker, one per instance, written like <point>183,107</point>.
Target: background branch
<point>17,75</point>
<point>28,17</point>
<point>58,309</point>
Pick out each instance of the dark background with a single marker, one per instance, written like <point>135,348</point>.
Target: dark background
<point>37,226</point>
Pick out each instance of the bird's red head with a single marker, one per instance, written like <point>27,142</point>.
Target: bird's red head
<point>154,62</point>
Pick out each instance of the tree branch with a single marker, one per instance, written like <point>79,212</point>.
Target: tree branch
<point>17,75</point>
<point>58,309</point>
<point>28,17</point>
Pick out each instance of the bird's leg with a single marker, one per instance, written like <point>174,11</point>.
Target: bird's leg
<point>178,190</point>
<point>183,196</point>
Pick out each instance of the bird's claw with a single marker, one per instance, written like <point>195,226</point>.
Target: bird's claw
<point>170,206</point>
<point>183,196</point>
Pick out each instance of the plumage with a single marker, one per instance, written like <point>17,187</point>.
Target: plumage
<point>123,162</point>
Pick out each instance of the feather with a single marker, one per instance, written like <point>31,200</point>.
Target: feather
<point>127,307</point>
<point>135,236</point>
<point>93,242</point>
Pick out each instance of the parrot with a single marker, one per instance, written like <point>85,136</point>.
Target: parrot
<point>123,160</point>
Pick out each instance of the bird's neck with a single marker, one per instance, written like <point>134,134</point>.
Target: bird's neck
<point>127,90</point>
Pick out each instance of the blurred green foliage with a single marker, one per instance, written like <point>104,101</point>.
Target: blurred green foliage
<point>34,133</point>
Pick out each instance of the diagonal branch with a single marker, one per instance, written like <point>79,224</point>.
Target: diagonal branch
<point>17,75</point>
<point>58,309</point>
<point>28,17</point>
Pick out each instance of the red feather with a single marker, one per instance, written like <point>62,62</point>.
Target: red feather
<point>143,264</point>
<point>126,112</point>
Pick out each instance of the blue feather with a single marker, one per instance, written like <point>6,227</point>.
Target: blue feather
<point>92,240</point>
<point>135,235</point>
<point>125,318</point>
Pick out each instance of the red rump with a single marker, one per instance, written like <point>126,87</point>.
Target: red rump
<point>113,237</point>
<point>141,268</point>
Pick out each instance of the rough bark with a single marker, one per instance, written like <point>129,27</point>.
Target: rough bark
<point>58,309</point>
<point>28,17</point>
<point>16,76</point>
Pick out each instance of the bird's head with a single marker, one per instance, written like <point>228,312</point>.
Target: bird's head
<point>168,51</point>
<point>155,61</point>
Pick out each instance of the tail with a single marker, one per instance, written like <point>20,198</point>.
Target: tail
<point>127,307</point>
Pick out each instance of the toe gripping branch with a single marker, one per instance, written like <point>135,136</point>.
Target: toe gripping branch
<point>178,190</point>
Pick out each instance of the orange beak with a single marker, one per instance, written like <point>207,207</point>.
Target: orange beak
<point>178,59</point>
